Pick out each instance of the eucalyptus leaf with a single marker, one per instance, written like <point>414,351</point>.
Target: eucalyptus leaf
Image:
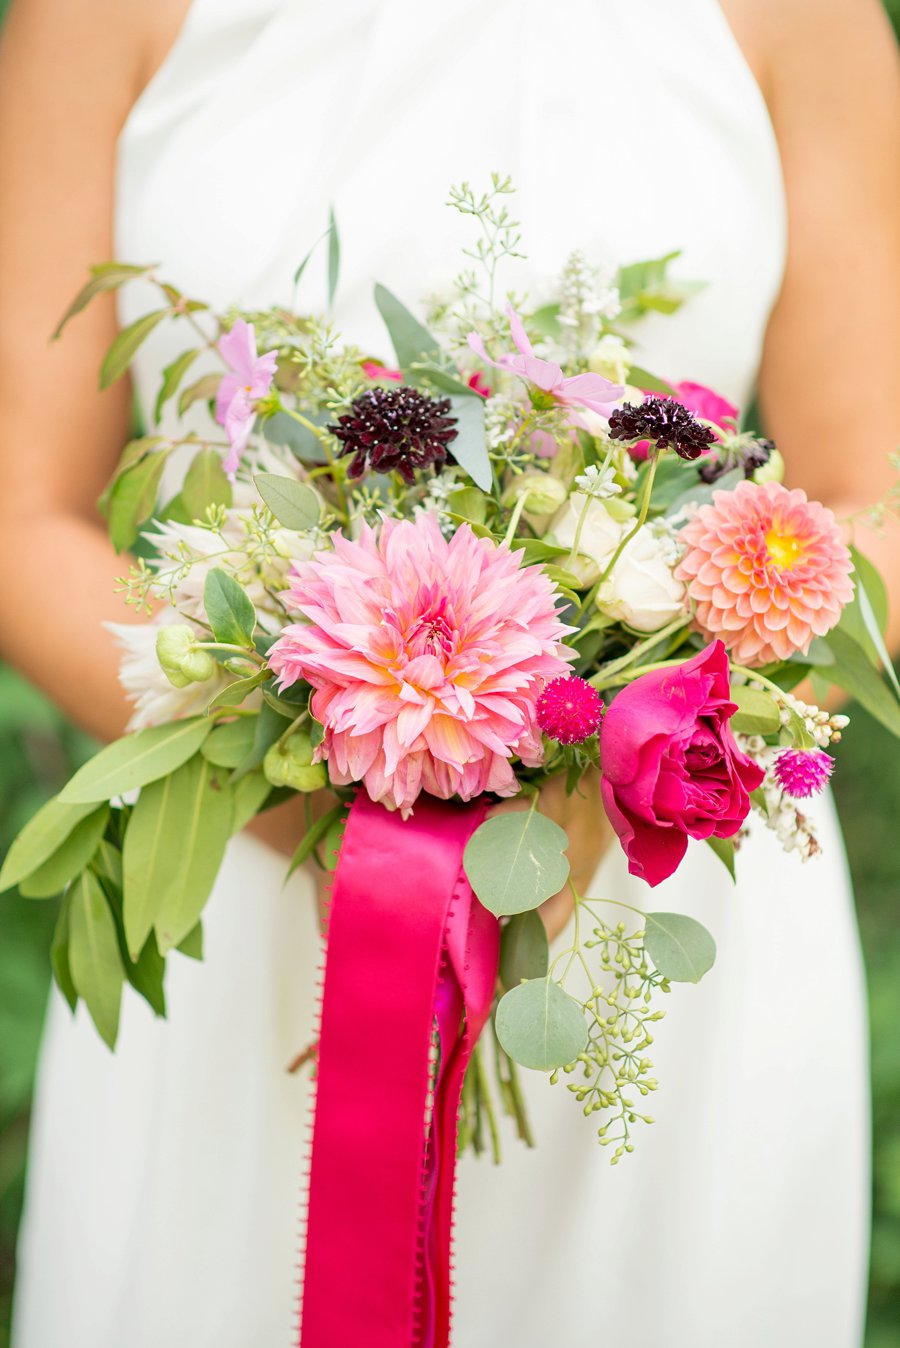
<point>680,946</point>
<point>172,376</point>
<point>757,712</point>
<point>515,861</point>
<point>411,340</point>
<point>205,484</point>
<point>524,949</point>
<point>136,760</point>
<point>540,1026</point>
<point>69,860</point>
<point>95,963</point>
<point>125,345</point>
<point>105,276</point>
<point>132,498</point>
<point>229,609</point>
<point>43,835</point>
<point>469,449</point>
<point>294,504</point>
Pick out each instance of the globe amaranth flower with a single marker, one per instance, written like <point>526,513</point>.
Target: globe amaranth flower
<point>767,570</point>
<point>395,429</point>
<point>569,710</point>
<point>249,378</point>
<point>802,772</point>
<point>426,656</point>
<point>665,423</point>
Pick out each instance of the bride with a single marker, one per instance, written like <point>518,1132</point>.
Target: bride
<point>164,1187</point>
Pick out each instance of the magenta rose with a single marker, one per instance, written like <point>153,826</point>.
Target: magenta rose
<point>671,767</point>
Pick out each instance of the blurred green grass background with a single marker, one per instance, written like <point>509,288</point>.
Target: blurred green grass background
<point>38,750</point>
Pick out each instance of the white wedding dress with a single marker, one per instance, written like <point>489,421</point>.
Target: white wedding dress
<point>164,1189</point>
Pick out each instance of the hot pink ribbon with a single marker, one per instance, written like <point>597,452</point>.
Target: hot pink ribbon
<point>412,959</point>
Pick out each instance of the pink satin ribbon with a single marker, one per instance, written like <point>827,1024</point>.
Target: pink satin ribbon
<point>412,957</point>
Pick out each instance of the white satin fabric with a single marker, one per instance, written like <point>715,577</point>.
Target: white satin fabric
<point>165,1183</point>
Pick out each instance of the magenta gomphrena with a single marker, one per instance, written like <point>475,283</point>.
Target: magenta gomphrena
<point>569,709</point>
<point>802,772</point>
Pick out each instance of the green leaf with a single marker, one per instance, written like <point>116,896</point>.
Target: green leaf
<point>540,1026</point>
<point>269,726</point>
<point>701,493</point>
<point>872,602</point>
<point>40,838</point>
<point>136,760</point>
<point>432,376</point>
<point>411,341</point>
<point>132,498</point>
<point>854,672</point>
<point>524,949</point>
<point>229,744</point>
<point>105,276</point>
<point>192,945</point>
<point>59,954</point>
<point>125,345</point>
<point>282,429</point>
<point>724,850</point>
<point>203,390</point>
<point>680,947</point>
<point>314,836</point>
<point>757,712</point>
<point>133,453</point>
<point>334,256</point>
<point>293,503</point>
<point>250,795</point>
<point>231,614</point>
<point>233,694</point>
<point>515,861</point>
<point>147,975</point>
<point>94,959</point>
<point>205,484</point>
<point>469,448</point>
<point>70,859</point>
<point>171,378</point>
<point>173,850</point>
<point>648,382</point>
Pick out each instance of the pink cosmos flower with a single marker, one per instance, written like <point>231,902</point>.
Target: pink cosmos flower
<point>590,391</point>
<point>700,400</point>
<point>249,379</point>
<point>767,570</point>
<point>671,767</point>
<point>373,369</point>
<point>427,656</point>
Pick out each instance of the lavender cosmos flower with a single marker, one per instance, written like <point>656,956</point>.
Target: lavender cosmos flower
<point>249,379</point>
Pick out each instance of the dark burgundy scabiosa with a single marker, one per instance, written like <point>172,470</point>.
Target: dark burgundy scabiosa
<point>747,453</point>
<point>395,429</point>
<point>569,710</point>
<point>665,423</point>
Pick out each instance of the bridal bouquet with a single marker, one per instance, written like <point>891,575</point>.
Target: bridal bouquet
<point>506,555</point>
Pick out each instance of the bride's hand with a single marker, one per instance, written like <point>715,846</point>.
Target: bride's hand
<point>583,818</point>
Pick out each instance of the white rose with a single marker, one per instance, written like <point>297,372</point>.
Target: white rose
<point>600,536</point>
<point>642,591</point>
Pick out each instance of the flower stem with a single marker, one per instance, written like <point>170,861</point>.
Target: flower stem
<point>639,523</point>
<point>606,677</point>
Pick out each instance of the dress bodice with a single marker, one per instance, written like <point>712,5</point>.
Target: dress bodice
<point>630,128</point>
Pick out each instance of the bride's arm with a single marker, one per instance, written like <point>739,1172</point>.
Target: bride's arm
<point>68,75</point>
<point>828,382</point>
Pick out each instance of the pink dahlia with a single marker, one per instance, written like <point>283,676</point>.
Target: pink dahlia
<point>569,710</point>
<point>802,772</point>
<point>426,656</point>
<point>767,570</point>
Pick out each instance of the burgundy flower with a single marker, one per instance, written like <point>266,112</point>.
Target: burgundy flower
<point>400,429</point>
<point>665,423</point>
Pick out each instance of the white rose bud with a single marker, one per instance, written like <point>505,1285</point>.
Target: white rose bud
<point>600,536</point>
<point>610,357</point>
<point>642,591</point>
<point>179,657</point>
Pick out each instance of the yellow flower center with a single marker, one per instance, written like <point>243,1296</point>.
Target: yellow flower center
<point>785,550</point>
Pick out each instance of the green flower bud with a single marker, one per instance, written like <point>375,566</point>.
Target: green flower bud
<point>543,494</point>
<point>772,471</point>
<point>291,764</point>
<point>180,658</point>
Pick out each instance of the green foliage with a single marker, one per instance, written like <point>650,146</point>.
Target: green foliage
<point>680,947</point>
<point>540,1026</point>
<point>524,949</point>
<point>516,861</point>
<point>293,503</point>
<point>135,760</point>
<point>230,611</point>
